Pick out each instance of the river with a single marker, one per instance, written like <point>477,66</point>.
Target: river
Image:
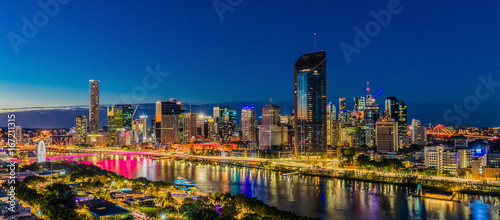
<point>325,198</point>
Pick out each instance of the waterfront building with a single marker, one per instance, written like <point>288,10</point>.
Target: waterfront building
<point>189,127</point>
<point>248,123</point>
<point>441,157</point>
<point>81,129</point>
<point>123,137</point>
<point>99,139</point>
<point>310,102</point>
<point>386,135</point>
<point>94,106</point>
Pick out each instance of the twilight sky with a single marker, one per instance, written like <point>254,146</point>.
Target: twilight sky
<point>430,52</point>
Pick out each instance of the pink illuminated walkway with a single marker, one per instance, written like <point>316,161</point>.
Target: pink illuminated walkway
<point>106,153</point>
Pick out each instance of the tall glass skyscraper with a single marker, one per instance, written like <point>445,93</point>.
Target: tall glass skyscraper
<point>310,102</point>
<point>248,123</point>
<point>94,106</point>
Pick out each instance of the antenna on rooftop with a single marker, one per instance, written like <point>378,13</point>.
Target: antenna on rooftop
<point>314,42</point>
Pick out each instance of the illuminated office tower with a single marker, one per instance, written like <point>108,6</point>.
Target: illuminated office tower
<point>310,102</point>
<point>372,114</point>
<point>189,127</point>
<point>342,110</point>
<point>170,129</point>
<point>119,116</point>
<point>402,119</point>
<point>271,119</point>
<point>140,129</point>
<point>386,135</point>
<point>81,129</point>
<point>221,114</point>
<point>370,101</point>
<point>359,103</point>
<point>331,121</point>
<point>94,106</point>
<point>248,123</point>
<point>205,126</point>
<point>168,108</point>
<point>392,108</point>
<point>211,128</point>
<point>225,123</point>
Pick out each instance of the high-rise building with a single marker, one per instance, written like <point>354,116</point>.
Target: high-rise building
<point>271,115</point>
<point>189,127</point>
<point>359,103</point>
<point>342,110</point>
<point>310,102</point>
<point>418,133</point>
<point>168,108</point>
<point>119,116</point>
<point>372,114</point>
<point>248,123</point>
<point>81,129</point>
<point>221,114</point>
<point>392,108</point>
<point>94,106</point>
<point>331,121</point>
<point>140,129</point>
<point>169,133</point>
<point>402,119</point>
<point>386,136</point>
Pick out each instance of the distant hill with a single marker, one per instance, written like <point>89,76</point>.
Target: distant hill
<point>487,115</point>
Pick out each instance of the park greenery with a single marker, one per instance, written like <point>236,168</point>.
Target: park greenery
<point>54,197</point>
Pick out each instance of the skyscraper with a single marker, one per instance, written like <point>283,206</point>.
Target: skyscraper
<point>94,106</point>
<point>342,110</point>
<point>331,121</point>
<point>189,127</point>
<point>248,123</point>
<point>392,108</point>
<point>310,102</point>
<point>402,119</point>
<point>418,133</point>
<point>140,129</point>
<point>81,129</point>
<point>119,116</point>
<point>386,136</point>
<point>168,108</point>
<point>271,119</point>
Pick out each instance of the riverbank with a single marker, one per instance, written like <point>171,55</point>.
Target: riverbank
<point>83,180</point>
<point>408,180</point>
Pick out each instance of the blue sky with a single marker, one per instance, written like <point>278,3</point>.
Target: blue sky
<point>431,52</point>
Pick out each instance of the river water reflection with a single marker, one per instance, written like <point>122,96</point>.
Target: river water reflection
<point>325,198</point>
